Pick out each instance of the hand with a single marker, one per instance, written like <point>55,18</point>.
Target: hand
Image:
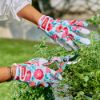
<point>35,73</point>
<point>65,32</point>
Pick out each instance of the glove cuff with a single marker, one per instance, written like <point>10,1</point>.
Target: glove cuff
<point>17,75</point>
<point>43,22</point>
<point>40,21</point>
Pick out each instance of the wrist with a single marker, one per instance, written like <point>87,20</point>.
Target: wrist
<point>13,71</point>
<point>30,13</point>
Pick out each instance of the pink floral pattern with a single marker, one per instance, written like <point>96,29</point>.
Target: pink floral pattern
<point>64,30</point>
<point>38,74</point>
<point>34,73</point>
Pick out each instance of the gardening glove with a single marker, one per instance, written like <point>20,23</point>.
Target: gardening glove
<point>65,32</point>
<point>35,73</point>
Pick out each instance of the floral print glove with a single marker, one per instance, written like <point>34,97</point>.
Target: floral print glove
<point>64,32</point>
<point>35,73</point>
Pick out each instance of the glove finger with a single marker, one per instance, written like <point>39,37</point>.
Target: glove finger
<point>32,84</point>
<point>78,29</point>
<point>47,64</point>
<point>44,84</point>
<point>78,23</point>
<point>67,43</point>
<point>55,76</point>
<point>81,39</point>
<point>71,43</point>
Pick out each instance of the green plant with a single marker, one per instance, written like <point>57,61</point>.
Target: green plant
<point>95,21</point>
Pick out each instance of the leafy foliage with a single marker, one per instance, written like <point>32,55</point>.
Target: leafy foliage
<point>95,20</point>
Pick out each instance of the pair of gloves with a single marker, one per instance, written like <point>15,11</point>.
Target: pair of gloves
<point>36,72</point>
